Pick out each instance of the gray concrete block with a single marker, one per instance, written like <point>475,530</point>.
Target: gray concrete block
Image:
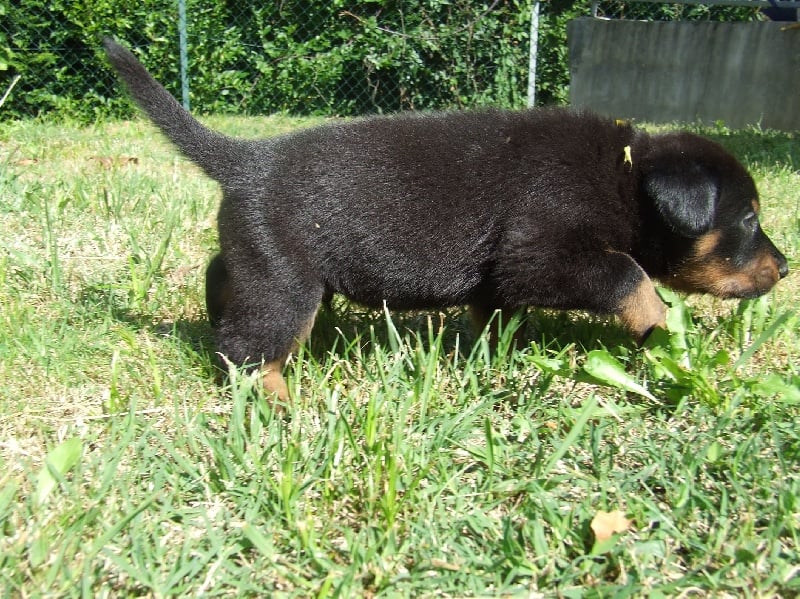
<point>690,71</point>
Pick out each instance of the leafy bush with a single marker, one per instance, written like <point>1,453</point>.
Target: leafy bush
<point>303,57</point>
<point>295,56</point>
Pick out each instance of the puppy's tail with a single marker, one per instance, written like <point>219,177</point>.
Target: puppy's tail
<point>218,155</point>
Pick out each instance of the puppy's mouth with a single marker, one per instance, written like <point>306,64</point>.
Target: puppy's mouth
<point>721,278</point>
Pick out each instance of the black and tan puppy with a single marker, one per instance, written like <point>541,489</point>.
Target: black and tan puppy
<point>494,209</point>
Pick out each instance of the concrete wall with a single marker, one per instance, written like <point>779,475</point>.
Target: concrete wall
<point>739,73</point>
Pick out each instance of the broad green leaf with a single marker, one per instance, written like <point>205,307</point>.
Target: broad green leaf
<point>714,452</point>
<point>57,463</point>
<point>658,338</point>
<point>608,370</point>
<point>679,320</point>
<point>773,385</point>
<point>7,495</point>
<point>721,358</point>
<point>679,324</point>
<point>548,365</point>
<point>259,540</point>
<point>664,366</point>
<point>600,547</point>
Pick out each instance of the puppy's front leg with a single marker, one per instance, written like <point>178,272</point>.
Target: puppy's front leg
<point>271,376</point>
<point>267,321</point>
<point>603,281</point>
<point>637,303</point>
<point>642,310</point>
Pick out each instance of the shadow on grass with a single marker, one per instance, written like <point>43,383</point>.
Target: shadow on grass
<point>344,322</point>
<point>753,146</point>
<point>194,337</point>
<point>549,328</point>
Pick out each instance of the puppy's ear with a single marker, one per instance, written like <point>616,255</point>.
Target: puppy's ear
<point>685,195</point>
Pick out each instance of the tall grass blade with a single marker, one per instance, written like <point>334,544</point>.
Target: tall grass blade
<point>395,341</point>
<point>765,336</point>
<point>588,411</point>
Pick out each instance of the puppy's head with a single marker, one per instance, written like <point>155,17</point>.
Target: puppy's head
<point>709,204</point>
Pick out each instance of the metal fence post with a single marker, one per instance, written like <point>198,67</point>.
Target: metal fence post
<point>534,48</point>
<point>184,55</point>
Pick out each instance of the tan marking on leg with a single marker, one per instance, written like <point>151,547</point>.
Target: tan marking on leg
<point>273,382</point>
<point>305,332</point>
<point>642,310</point>
<point>271,376</point>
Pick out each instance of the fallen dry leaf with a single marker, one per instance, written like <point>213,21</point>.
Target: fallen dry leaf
<point>441,564</point>
<point>104,161</point>
<point>108,162</point>
<point>606,524</point>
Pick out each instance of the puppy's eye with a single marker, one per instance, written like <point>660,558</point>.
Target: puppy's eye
<point>750,220</point>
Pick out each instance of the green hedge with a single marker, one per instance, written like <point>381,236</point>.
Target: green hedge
<point>300,57</point>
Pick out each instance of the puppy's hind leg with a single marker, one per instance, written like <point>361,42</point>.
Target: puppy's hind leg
<point>495,319</point>
<point>218,289</point>
<point>271,376</point>
<point>267,316</point>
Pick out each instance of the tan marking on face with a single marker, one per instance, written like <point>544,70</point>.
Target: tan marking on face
<point>763,271</point>
<point>756,206</point>
<point>706,244</point>
<point>642,310</point>
<point>705,272</point>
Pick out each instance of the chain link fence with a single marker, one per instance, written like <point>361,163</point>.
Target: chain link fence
<point>296,56</point>
<point>340,57</point>
<point>687,10</point>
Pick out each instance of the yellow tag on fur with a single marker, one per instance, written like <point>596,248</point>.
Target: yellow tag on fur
<point>627,159</point>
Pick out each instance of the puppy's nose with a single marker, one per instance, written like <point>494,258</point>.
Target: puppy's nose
<point>780,259</point>
<point>783,266</point>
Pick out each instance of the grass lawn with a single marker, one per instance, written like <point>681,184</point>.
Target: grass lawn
<point>412,463</point>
